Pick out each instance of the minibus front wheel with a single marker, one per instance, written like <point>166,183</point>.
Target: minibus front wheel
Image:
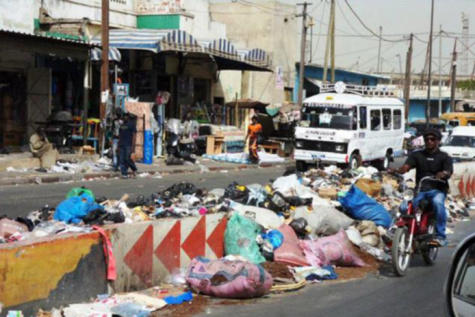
<point>354,161</point>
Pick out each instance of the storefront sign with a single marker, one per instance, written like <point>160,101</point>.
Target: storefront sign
<point>159,6</point>
<point>279,78</point>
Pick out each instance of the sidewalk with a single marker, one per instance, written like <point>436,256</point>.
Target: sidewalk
<point>158,168</point>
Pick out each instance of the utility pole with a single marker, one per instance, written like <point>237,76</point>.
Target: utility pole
<point>333,42</point>
<point>472,77</point>
<point>429,80</point>
<point>453,78</point>
<point>105,56</point>
<point>378,68</point>
<point>302,50</point>
<point>327,47</point>
<point>440,71</point>
<point>407,80</point>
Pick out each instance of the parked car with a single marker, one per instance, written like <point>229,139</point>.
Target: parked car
<point>460,284</point>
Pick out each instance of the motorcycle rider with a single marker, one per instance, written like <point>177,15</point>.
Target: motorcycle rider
<point>431,161</point>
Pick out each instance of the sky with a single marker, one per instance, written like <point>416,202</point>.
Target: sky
<point>357,48</point>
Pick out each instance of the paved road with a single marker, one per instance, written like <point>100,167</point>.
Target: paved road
<point>418,294</point>
<point>19,200</point>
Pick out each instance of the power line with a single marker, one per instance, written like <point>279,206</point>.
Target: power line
<point>320,31</point>
<point>367,28</point>
<point>348,22</point>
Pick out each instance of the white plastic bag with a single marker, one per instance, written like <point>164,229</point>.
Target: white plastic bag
<point>324,220</point>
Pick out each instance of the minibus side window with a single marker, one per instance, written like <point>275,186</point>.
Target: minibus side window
<point>363,118</point>
<point>397,119</point>
<point>375,120</point>
<point>387,119</point>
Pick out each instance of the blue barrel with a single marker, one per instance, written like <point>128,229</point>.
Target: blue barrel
<point>148,147</point>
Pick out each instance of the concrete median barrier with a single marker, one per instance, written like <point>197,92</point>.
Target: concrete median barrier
<point>462,183</point>
<point>63,269</point>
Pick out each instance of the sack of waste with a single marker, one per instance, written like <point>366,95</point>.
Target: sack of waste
<point>262,216</point>
<point>228,279</point>
<point>240,238</point>
<point>362,207</point>
<point>74,209</point>
<point>324,220</point>
<point>290,252</point>
<point>332,250</point>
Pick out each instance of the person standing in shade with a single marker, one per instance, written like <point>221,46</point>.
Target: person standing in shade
<point>253,132</point>
<point>127,131</point>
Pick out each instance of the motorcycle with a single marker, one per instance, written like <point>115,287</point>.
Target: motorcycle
<point>414,233</point>
<point>180,147</point>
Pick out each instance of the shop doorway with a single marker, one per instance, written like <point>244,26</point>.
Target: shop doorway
<point>38,97</point>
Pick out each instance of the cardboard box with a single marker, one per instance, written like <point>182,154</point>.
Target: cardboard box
<point>328,193</point>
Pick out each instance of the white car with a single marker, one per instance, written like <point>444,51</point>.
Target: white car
<point>460,284</point>
<point>461,144</point>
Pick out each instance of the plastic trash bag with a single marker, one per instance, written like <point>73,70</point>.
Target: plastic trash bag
<point>324,220</point>
<point>74,209</point>
<point>177,277</point>
<point>130,309</point>
<point>300,226</point>
<point>274,237</point>
<point>240,238</point>
<point>78,191</point>
<point>290,252</point>
<point>228,279</point>
<point>362,207</point>
<point>257,195</point>
<point>332,250</point>
<point>237,193</point>
<point>263,216</point>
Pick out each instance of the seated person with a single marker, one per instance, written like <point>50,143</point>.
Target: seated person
<point>41,148</point>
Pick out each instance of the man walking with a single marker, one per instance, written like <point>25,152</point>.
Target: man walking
<point>127,133</point>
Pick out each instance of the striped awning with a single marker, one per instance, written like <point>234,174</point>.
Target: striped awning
<point>114,54</point>
<point>256,57</point>
<point>223,51</point>
<point>223,48</point>
<point>152,40</point>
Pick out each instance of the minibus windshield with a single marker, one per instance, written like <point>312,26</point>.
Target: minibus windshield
<point>330,117</point>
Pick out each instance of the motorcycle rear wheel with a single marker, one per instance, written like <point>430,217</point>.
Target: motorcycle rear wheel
<point>429,255</point>
<point>399,252</point>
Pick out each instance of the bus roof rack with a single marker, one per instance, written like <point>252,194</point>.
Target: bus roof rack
<point>340,87</point>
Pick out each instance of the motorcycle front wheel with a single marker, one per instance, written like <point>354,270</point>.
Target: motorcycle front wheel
<point>429,254</point>
<point>400,251</point>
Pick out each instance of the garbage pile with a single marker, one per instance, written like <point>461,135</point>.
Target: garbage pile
<point>70,167</point>
<point>297,229</point>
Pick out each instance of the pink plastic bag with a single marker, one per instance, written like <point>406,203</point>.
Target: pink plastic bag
<point>333,250</point>
<point>290,252</point>
<point>228,279</point>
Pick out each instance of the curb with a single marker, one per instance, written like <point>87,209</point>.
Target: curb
<point>51,179</point>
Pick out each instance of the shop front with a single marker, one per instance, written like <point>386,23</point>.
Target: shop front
<point>38,75</point>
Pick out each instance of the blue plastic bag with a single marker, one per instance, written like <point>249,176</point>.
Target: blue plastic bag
<point>148,147</point>
<point>274,237</point>
<point>362,207</point>
<point>74,209</point>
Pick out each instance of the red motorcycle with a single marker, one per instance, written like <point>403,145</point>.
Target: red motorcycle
<point>415,232</point>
